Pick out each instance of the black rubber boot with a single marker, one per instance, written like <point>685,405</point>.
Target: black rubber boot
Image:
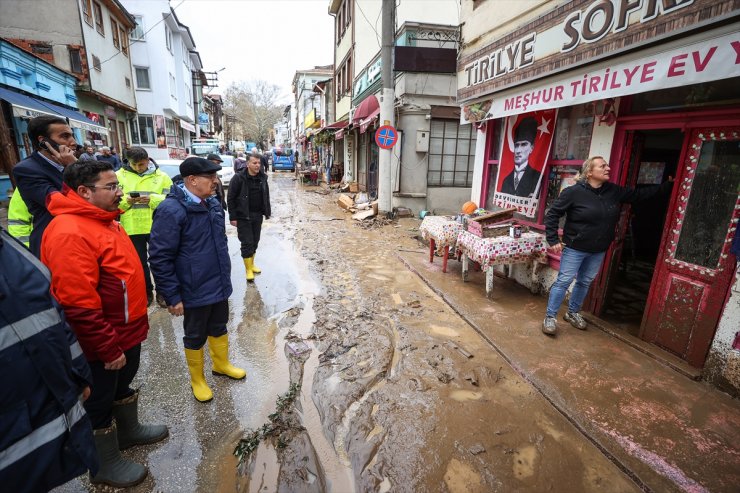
<point>114,469</point>
<point>130,431</point>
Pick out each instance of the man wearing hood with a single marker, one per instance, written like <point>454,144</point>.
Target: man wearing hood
<point>189,256</point>
<point>144,187</point>
<point>97,278</point>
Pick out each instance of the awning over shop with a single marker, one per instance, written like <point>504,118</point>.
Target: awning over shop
<point>366,108</point>
<point>187,126</point>
<point>336,125</point>
<point>371,118</point>
<point>340,134</point>
<point>28,107</point>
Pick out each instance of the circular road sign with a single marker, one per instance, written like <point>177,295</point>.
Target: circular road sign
<point>386,137</point>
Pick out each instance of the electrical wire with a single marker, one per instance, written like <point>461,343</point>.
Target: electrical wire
<point>377,36</point>
<point>134,41</point>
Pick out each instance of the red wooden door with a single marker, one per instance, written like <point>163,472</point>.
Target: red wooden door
<point>694,268</point>
<point>630,155</point>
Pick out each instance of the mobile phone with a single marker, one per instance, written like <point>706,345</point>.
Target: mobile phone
<point>51,143</point>
<point>134,195</point>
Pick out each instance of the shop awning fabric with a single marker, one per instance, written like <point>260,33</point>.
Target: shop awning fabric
<point>366,109</point>
<point>28,107</point>
<point>336,125</point>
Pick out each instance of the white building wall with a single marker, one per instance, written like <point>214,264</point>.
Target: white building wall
<point>115,66</point>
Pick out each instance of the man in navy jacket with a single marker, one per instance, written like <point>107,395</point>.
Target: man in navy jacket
<point>189,257</point>
<point>45,435</point>
<point>41,173</point>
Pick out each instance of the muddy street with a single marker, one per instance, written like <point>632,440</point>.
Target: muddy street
<point>397,393</point>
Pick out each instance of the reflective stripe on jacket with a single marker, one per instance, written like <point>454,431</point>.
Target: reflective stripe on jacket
<point>20,220</point>
<point>45,434</point>
<point>137,218</point>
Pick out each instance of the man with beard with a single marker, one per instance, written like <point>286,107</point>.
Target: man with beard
<point>97,278</point>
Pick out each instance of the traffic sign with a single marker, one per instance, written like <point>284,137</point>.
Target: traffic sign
<point>386,137</point>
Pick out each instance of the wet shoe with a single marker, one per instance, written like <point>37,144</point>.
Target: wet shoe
<point>576,320</point>
<point>550,326</point>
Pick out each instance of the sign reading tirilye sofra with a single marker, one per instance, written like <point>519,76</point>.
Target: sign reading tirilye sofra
<point>596,23</point>
<point>705,61</point>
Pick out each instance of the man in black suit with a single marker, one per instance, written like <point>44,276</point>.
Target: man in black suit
<point>41,173</point>
<point>523,180</point>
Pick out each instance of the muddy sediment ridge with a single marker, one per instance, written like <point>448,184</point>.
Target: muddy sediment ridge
<point>409,397</point>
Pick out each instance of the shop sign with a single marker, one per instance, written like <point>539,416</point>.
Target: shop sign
<point>203,118</point>
<point>525,149</point>
<point>705,61</point>
<point>187,126</point>
<point>367,78</point>
<point>587,29</point>
<point>310,119</point>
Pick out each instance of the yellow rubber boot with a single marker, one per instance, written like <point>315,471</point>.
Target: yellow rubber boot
<point>219,349</point>
<point>248,267</point>
<point>201,391</point>
<point>255,269</point>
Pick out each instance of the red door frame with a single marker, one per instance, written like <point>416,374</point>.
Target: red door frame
<point>686,121</point>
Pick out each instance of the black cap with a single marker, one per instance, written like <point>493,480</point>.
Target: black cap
<point>214,157</point>
<point>197,166</point>
<point>526,130</point>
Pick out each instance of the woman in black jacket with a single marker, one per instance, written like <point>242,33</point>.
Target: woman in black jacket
<point>592,208</point>
<point>249,202</point>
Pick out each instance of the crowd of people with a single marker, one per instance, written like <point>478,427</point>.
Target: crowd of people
<point>94,239</point>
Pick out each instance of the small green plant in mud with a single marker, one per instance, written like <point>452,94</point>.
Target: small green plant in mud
<point>278,429</point>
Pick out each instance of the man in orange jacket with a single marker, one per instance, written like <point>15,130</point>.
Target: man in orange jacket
<point>98,279</point>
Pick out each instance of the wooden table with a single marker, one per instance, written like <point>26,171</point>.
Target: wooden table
<point>441,232</point>
<point>502,250</point>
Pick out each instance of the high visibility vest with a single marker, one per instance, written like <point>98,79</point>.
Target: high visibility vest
<point>137,218</point>
<point>20,221</point>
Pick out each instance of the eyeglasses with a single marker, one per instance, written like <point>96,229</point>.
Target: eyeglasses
<point>111,188</point>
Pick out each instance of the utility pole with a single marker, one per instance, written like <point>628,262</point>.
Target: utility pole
<point>387,98</point>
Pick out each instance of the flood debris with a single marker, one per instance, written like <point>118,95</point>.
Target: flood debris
<point>476,449</point>
<point>460,349</point>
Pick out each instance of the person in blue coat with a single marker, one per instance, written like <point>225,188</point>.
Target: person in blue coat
<point>189,258</point>
<point>46,437</point>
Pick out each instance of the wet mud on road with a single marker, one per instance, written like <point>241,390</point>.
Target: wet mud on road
<point>390,399</point>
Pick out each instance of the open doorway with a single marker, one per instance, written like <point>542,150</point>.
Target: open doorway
<point>655,158</point>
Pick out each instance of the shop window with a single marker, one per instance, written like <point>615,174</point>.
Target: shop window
<point>495,131</point>
<point>451,154</point>
<point>98,14</point>
<point>142,78</point>
<point>138,32</point>
<point>573,131</point>
<point>171,132</point>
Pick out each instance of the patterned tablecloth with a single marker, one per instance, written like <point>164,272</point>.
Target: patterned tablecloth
<point>489,252</point>
<point>442,230</point>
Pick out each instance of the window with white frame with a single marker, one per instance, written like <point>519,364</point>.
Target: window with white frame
<point>142,78</point>
<point>168,38</point>
<point>173,87</point>
<point>87,11</point>
<point>114,33</point>
<point>189,94</point>
<point>451,154</point>
<point>171,129</point>
<point>138,32</point>
<point>142,130</point>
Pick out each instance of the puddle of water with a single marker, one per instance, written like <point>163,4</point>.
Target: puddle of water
<point>461,478</point>
<point>264,477</point>
<point>465,395</point>
<point>443,331</point>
